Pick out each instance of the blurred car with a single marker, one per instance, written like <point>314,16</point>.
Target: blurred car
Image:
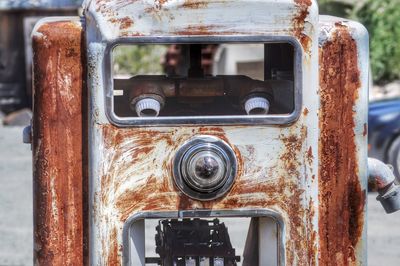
<point>384,132</point>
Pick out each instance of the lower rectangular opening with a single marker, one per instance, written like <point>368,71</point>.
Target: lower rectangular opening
<point>211,241</point>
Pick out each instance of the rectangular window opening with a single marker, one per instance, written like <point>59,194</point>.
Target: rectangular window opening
<point>223,241</point>
<point>195,80</point>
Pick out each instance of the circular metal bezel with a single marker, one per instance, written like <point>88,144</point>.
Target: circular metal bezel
<point>193,146</point>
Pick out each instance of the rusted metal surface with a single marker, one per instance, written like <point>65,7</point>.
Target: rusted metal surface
<point>342,195</point>
<point>127,18</point>
<point>277,187</point>
<point>131,168</point>
<point>57,143</point>
<point>299,22</point>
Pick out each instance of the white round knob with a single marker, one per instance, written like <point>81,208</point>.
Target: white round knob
<point>148,107</point>
<point>257,106</point>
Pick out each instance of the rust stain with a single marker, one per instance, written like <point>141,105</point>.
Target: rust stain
<point>305,111</point>
<point>57,144</point>
<point>213,130</point>
<point>365,131</point>
<point>340,195</point>
<point>124,23</point>
<point>131,34</point>
<point>161,2</point>
<point>195,4</point>
<point>103,6</point>
<point>312,234</point>
<point>113,256</point>
<point>310,156</point>
<point>204,30</point>
<point>299,21</point>
<point>144,145</point>
<point>293,145</point>
<point>158,6</point>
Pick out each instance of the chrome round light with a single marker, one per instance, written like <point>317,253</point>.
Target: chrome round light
<point>204,168</point>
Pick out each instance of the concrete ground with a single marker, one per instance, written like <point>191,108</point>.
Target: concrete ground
<point>16,210</point>
<point>15,199</point>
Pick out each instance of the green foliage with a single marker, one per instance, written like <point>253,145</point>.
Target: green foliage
<point>335,8</point>
<point>382,19</point>
<point>138,59</point>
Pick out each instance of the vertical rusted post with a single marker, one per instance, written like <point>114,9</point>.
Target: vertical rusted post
<point>57,143</point>
<point>341,194</point>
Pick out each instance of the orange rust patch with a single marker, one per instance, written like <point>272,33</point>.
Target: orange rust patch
<point>310,156</point>
<point>204,30</point>
<point>312,234</point>
<point>145,142</point>
<point>293,145</point>
<point>298,22</point>
<point>57,144</point>
<point>305,111</point>
<point>194,4</point>
<point>161,2</point>
<point>341,199</point>
<point>130,201</point>
<point>158,5</point>
<point>125,23</point>
<point>303,2</point>
<point>131,34</point>
<point>112,258</point>
<point>212,129</point>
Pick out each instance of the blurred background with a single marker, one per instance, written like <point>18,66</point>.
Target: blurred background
<point>17,19</point>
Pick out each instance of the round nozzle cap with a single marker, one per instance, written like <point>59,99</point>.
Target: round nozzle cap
<point>390,199</point>
<point>257,106</point>
<point>148,107</point>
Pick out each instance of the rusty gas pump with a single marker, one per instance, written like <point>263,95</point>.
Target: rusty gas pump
<point>202,133</point>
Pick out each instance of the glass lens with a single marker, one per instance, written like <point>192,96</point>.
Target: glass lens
<point>206,170</point>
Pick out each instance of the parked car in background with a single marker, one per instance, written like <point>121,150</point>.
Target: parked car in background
<point>384,132</point>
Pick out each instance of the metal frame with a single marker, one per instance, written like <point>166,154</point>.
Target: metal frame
<point>205,120</point>
<point>250,213</point>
